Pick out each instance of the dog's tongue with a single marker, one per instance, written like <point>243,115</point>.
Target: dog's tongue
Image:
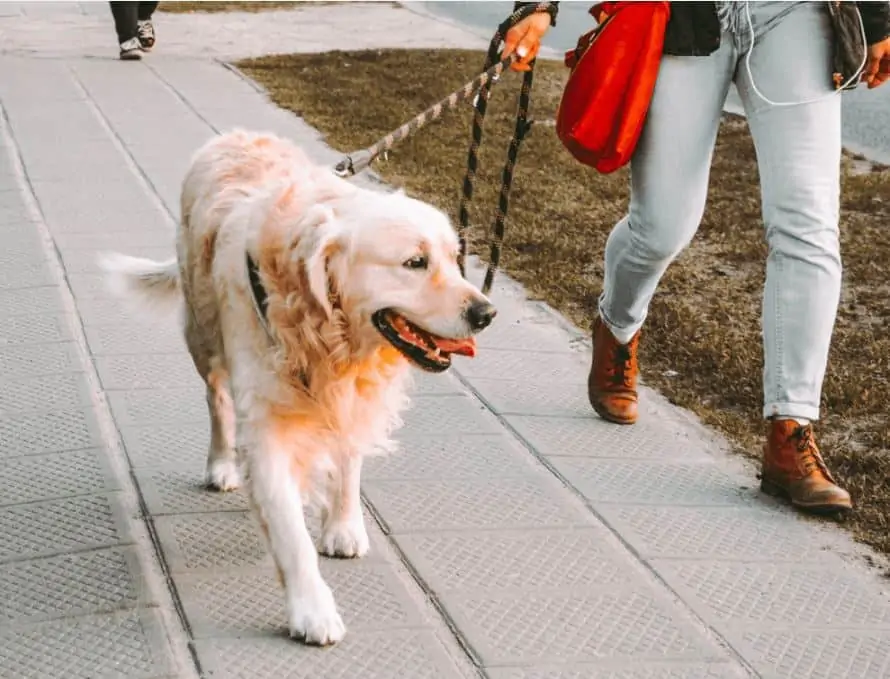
<point>462,347</point>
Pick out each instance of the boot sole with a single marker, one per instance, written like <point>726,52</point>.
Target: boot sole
<point>822,509</point>
<point>609,417</point>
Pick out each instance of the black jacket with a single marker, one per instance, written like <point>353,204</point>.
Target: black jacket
<point>694,29</point>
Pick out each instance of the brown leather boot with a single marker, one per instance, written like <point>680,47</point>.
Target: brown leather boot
<point>612,383</point>
<point>793,468</point>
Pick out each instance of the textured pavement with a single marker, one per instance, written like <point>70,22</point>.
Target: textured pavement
<point>515,536</point>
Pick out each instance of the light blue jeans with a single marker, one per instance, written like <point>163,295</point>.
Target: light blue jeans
<point>798,154</point>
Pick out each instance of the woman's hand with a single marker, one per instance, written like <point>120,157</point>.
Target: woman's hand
<point>525,39</point>
<point>877,68</point>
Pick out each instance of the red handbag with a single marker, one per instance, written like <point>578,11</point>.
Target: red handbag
<point>613,72</point>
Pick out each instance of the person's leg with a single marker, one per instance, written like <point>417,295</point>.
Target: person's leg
<point>146,10</point>
<point>125,25</point>
<point>669,183</point>
<point>125,17</point>
<point>799,154</point>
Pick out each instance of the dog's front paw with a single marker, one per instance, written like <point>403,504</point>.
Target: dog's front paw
<point>223,475</point>
<point>315,619</point>
<point>344,539</point>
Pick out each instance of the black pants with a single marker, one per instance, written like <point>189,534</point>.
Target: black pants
<point>126,14</point>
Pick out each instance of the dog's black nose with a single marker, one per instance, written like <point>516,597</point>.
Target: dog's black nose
<point>480,315</point>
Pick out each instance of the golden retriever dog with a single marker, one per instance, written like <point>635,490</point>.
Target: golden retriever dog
<point>305,301</point>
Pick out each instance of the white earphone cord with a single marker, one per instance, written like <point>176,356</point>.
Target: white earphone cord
<point>757,91</point>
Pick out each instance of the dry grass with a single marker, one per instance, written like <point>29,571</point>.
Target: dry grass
<point>215,7</point>
<point>701,345</point>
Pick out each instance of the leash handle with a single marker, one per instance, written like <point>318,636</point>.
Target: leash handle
<point>359,160</point>
<point>522,127</point>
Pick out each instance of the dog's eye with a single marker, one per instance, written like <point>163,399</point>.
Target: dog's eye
<point>418,262</point>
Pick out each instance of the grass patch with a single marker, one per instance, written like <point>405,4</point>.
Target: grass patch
<point>216,7</point>
<point>701,344</point>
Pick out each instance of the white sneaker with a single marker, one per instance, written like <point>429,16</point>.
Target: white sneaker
<point>131,50</point>
<point>146,32</point>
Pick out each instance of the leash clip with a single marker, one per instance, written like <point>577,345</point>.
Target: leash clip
<point>353,164</point>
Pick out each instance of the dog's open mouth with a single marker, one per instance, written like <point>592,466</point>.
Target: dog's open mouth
<point>423,348</point>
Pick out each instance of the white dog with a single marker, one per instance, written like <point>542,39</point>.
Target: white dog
<point>305,300</point>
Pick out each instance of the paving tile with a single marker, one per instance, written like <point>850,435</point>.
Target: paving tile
<point>60,526</point>
<point>35,329</point>
<point>741,593</point>
<point>447,416</point>
<point>181,490</point>
<point>168,445</point>
<point>520,561</point>
<point>68,207</point>
<point>584,625</point>
<point>21,236</point>
<point>655,483</point>
<point>232,541</point>
<point>97,581</point>
<point>48,432</point>
<point>33,360</point>
<point>14,213</point>
<point>58,475</point>
<point>212,542</point>
<point>534,398</point>
<point>46,164</point>
<point>149,406</point>
<point>532,502</point>
<point>592,437</point>
<point>28,301</point>
<point>563,369</point>
<point>717,533</point>
<point>118,241</point>
<point>86,286</point>
<point>133,338</point>
<point>628,670</point>
<point>48,393</point>
<point>407,653</point>
<point>114,312</point>
<point>540,338</point>
<point>148,371</point>
<point>125,645</point>
<point>26,276</point>
<point>34,125</point>
<point>490,456</point>
<point>83,218</point>
<point>83,261</point>
<point>370,596</point>
<point>815,654</point>
<point>425,384</point>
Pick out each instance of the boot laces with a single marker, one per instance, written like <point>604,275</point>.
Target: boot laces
<point>622,364</point>
<point>810,458</point>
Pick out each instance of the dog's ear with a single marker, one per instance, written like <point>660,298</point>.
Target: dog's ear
<point>323,245</point>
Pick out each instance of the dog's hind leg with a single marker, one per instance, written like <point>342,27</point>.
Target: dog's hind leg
<point>222,459</point>
<point>343,524</point>
<point>276,484</point>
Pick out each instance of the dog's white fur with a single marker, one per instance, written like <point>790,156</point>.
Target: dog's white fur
<point>305,396</point>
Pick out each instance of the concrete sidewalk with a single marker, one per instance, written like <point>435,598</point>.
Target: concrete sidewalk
<point>516,536</point>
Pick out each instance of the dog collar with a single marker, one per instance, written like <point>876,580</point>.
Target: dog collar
<point>258,293</point>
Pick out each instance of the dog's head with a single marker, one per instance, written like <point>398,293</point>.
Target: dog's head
<point>389,263</point>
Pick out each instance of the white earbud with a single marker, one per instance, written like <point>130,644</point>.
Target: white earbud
<point>757,91</point>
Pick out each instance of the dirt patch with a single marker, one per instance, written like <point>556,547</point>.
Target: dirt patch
<point>701,344</point>
<point>215,7</point>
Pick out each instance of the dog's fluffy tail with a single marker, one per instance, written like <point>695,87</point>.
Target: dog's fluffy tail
<point>144,284</point>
